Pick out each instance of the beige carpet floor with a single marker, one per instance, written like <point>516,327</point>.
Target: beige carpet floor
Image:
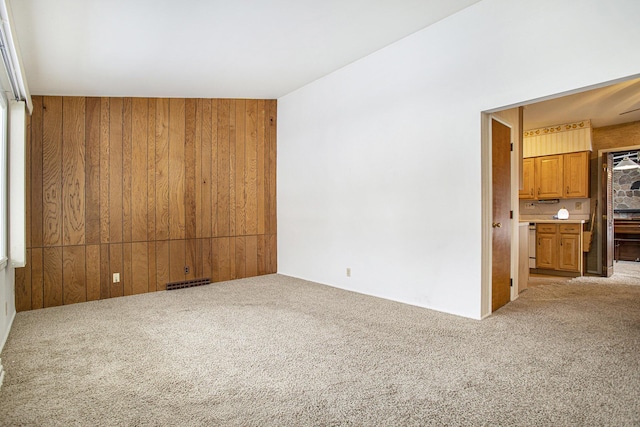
<point>278,351</point>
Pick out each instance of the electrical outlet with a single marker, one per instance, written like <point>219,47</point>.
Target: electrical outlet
<point>529,206</point>
<point>578,206</point>
<point>116,277</point>
<point>348,272</point>
<point>186,269</point>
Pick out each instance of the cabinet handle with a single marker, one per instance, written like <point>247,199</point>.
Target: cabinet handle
<point>531,192</point>
<point>567,189</point>
<point>538,191</point>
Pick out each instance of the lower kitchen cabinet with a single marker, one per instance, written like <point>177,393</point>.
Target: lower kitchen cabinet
<point>559,247</point>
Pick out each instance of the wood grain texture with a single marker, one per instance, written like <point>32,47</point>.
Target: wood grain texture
<point>73,161</point>
<point>162,264</point>
<point>105,155</point>
<point>176,260</point>
<point>126,170</point>
<point>162,169</point>
<point>37,278</point>
<point>145,187</point>
<point>177,168</point>
<point>73,274</point>
<point>190,169</point>
<point>273,250</point>
<point>105,272</point>
<point>139,172</point>
<point>127,273</point>
<point>52,171</point>
<point>221,224</point>
<point>140,267</point>
<point>116,266</point>
<point>52,266</point>
<point>92,170</point>
<point>36,172</point>
<point>116,124</point>
<point>92,276</point>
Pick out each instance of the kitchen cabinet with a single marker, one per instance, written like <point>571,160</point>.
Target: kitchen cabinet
<point>576,175</point>
<point>548,176</point>
<point>559,247</point>
<point>528,179</point>
<point>561,176</point>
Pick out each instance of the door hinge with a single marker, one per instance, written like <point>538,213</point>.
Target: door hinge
<point>511,283</point>
<point>510,214</point>
<point>512,146</point>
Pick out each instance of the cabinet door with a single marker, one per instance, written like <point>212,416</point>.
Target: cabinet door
<point>548,177</point>
<point>546,250</point>
<point>576,174</point>
<point>569,251</point>
<point>528,179</point>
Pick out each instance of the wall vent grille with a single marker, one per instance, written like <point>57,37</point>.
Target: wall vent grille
<point>188,283</point>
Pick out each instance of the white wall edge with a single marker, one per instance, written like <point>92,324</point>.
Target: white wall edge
<point>17,184</point>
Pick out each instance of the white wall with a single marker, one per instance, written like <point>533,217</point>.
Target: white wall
<point>379,163</point>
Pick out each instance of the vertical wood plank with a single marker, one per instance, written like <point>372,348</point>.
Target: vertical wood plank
<point>73,179</point>
<point>222,175</point>
<point>191,259</point>
<point>176,260</point>
<point>221,259</point>
<point>190,169</point>
<point>232,170</point>
<point>115,170</point>
<point>37,278</point>
<point>263,254</point>
<point>152,271</point>
<point>139,169</point>
<point>260,165</point>
<point>105,179</point>
<point>251,168</point>
<point>273,226</point>
<point>273,260</point>
<point>251,256</point>
<point>198,176</point>
<point>92,168</point>
<point>126,169</point>
<point>198,270</point>
<point>92,266</point>
<point>73,274</point>
<point>23,286</point>
<point>151,173</point>
<point>241,257</point>
<point>37,196</point>
<point>52,263</point>
<point>162,264</point>
<point>52,171</point>
<point>232,258</point>
<point>206,160</point>
<point>105,272</point>
<point>240,168</point>
<point>116,266</point>
<point>176,168</point>
<point>162,169</point>
<point>207,258</point>
<point>210,168</point>
<point>127,273</point>
<point>140,267</point>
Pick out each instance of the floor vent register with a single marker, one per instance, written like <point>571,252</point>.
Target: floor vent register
<point>188,283</point>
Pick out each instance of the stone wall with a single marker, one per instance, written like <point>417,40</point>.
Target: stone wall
<point>626,189</point>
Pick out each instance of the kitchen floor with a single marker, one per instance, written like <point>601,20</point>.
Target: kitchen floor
<point>625,267</point>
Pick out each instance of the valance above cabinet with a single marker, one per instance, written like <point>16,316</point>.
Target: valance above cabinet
<point>557,139</point>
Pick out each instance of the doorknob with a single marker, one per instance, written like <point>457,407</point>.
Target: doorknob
<point>496,225</point>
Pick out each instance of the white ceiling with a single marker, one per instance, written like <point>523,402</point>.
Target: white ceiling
<point>205,48</point>
<point>610,105</point>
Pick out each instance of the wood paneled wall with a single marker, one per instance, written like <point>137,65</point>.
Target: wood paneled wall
<point>146,188</point>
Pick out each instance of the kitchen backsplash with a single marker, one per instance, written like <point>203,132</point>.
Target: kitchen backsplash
<point>532,209</point>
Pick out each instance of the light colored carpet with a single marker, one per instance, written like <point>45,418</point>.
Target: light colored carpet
<point>274,350</point>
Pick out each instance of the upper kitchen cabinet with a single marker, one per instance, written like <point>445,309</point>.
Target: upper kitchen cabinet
<point>576,175</point>
<point>548,176</point>
<point>528,191</point>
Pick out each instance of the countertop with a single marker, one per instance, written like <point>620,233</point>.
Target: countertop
<point>556,221</point>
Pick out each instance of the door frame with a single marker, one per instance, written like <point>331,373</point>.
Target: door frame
<point>600,210</point>
<point>487,211</point>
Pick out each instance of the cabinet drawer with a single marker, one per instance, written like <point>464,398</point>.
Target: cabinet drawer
<point>570,228</point>
<point>546,228</point>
